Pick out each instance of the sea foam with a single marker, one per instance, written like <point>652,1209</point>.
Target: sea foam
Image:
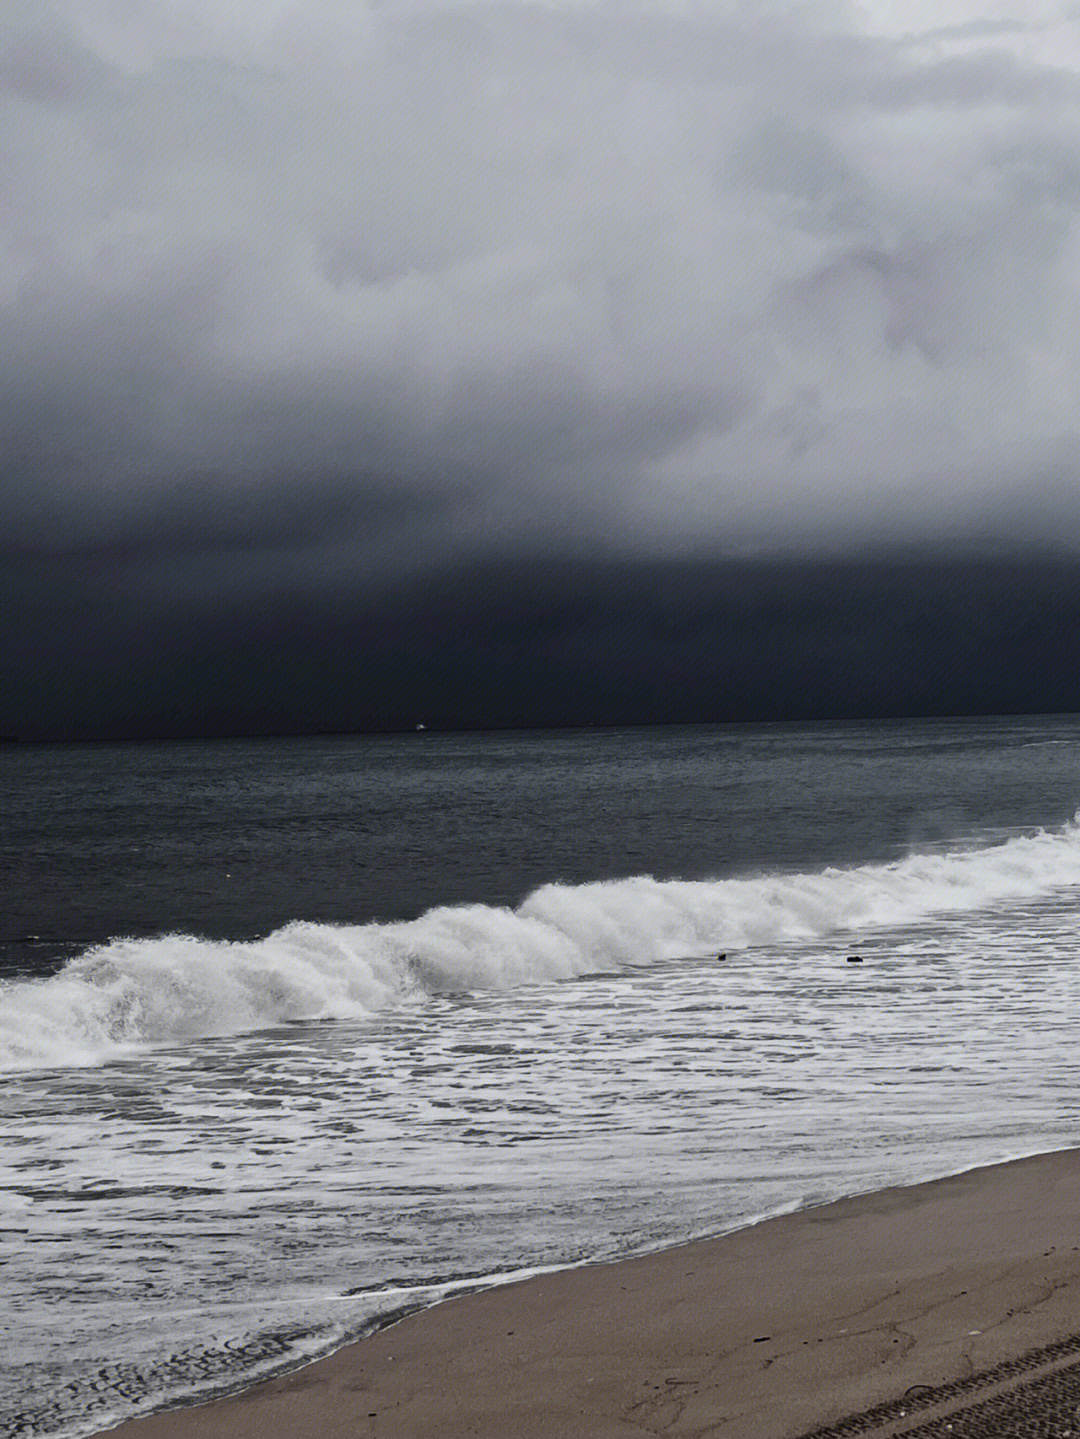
<point>174,988</point>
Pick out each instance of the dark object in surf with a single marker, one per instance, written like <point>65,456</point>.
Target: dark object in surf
<point>854,959</point>
<point>721,957</point>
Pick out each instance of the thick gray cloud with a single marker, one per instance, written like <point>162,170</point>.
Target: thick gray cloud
<point>387,283</point>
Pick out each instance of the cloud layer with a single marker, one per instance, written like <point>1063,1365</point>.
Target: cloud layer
<point>349,287</point>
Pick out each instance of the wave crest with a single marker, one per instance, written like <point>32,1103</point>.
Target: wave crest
<point>176,987</point>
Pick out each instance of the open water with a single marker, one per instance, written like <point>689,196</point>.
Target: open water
<point>296,1035</point>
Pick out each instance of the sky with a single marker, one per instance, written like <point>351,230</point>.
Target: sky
<point>333,330</point>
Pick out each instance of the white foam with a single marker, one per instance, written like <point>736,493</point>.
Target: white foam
<point>176,987</point>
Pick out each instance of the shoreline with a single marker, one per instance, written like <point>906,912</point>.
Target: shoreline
<point>950,1292</point>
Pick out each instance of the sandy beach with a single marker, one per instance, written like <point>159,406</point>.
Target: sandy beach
<point>949,1308</point>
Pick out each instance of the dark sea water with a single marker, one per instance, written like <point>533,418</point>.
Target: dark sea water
<point>233,839</point>
<point>295,1033</point>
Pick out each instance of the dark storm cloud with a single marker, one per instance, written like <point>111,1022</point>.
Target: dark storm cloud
<point>549,643</point>
<point>734,278</point>
<point>49,69</point>
<point>535,362</point>
<point>202,515</point>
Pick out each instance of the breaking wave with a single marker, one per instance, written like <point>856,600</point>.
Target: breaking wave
<point>176,987</point>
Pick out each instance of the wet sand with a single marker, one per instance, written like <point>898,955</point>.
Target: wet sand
<point>950,1309</point>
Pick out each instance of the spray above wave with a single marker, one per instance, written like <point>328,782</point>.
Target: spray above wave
<point>176,987</point>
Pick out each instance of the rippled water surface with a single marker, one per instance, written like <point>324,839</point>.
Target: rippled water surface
<point>460,1096</point>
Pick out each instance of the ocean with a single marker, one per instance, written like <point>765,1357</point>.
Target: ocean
<point>296,1035</point>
